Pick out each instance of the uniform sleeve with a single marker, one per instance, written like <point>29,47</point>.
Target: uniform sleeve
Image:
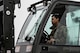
<point>60,36</point>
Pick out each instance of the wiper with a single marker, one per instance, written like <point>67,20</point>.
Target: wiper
<point>28,38</point>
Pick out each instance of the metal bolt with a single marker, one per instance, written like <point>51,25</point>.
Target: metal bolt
<point>7,38</point>
<point>8,12</point>
<point>7,7</point>
<point>13,48</point>
<point>44,48</point>
<point>12,28</point>
<point>12,36</point>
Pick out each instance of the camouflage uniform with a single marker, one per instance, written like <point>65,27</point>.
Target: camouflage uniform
<point>53,28</point>
<point>60,35</point>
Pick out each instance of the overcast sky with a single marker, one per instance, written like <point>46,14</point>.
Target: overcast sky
<point>21,15</point>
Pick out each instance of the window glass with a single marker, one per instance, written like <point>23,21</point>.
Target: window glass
<point>63,26</point>
<point>73,22</point>
<point>28,34</point>
<point>48,25</point>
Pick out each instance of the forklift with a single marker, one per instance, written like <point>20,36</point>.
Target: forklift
<point>35,33</point>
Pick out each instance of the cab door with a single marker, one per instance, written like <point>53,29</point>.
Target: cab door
<point>66,37</point>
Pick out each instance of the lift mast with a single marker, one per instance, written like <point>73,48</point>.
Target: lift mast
<point>7,35</point>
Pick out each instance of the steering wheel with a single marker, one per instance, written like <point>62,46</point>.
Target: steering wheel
<point>45,33</point>
<point>44,37</point>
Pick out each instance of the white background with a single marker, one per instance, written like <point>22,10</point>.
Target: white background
<point>21,15</point>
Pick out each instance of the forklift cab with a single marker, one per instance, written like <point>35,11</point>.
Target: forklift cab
<point>66,38</point>
<point>36,30</point>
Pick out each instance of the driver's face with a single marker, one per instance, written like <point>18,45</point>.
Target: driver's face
<point>54,20</point>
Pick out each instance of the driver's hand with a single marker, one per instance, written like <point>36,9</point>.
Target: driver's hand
<point>50,41</point>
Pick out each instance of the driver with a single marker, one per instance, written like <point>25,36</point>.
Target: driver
<point>59,31</point>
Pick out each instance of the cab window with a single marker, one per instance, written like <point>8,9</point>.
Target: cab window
<point>63,26</point>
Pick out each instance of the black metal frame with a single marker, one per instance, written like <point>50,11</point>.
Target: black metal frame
<point>1,26</point>
<point>45,2</point>
<point>7,26</point>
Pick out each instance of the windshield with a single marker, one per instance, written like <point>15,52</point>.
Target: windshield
<point>31,25</point>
